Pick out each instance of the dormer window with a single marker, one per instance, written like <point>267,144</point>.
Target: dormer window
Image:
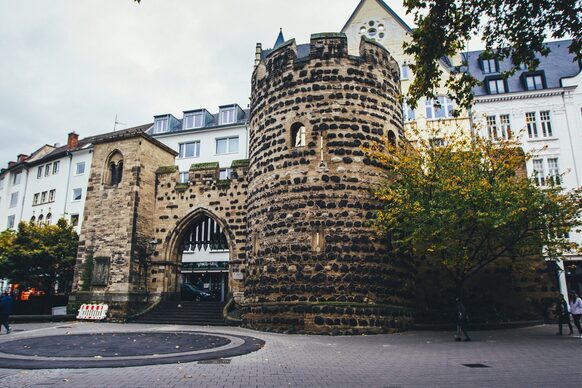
<point>193,120</point>
<point>533,80</point>
<point>161,125</point>
<point>227,116</point>
<point>495,85</point>
<point>489,66</point>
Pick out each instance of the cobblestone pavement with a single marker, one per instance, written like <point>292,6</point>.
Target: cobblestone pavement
<point>531,357</point>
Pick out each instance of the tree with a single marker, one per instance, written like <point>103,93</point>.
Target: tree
<point>39,255</point>
<point>514,29</point>
<point>466,204</point>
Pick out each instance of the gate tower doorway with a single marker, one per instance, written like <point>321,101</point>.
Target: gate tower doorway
<point>205,257</point>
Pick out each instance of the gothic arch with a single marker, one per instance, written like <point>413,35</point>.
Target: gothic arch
<point>113,168</point>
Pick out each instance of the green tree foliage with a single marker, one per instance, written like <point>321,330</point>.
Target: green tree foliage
<point>514,29</point>
<point>466,204</point>
<point>39,255</point>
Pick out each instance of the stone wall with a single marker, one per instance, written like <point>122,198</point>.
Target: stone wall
<point>177,205</point>
<point>118,221</point>
<point>314,263</point>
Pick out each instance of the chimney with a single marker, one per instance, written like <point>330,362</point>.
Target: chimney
<point>72,141</point>
<point>258,51</point>
<point>21,157</point>
<point>11,164</point>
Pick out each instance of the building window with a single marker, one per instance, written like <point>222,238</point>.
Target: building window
<point>538,172</point>
<point>77,194</point>
<point>496,86</point>
<point>114,172</point>
<point>227,116</point>
<point>184,177</point>
<point>56,166</point>
<point>193,120</point>
<point>405,71</point>
<point>80,168</point>
<point>41,220</point>
<point>505,127</point>
<point>16,179</point>
<point>1,183</point>
<point>49,218</point>
<point>298,135</point>
<point>546,123</point>
<point>392,138</point>
<point>43,197</point>
<point>553,170</point>
<point>161,125</point>
<point>532,125</point>
<point>492,127</point>
<point>35,199</point>
<point>52,195</point>
<point>74,219</point>
<point>32,219</point>
<point>227,145</point>
<point>13,200</point>
<point>489,66</point>
<point>47,170</point>
<point>407,111</point>
<point>436,142</point>
<point>190,150</point>
<point>443,109</point>
<point>534,82</point>
<point>224,174</point>
<point>39,173</point>
<point>11,221</point>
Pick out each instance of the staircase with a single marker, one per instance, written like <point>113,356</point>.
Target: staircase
<point>185,313</point>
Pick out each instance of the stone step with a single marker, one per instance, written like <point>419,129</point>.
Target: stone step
<point>189,313</point>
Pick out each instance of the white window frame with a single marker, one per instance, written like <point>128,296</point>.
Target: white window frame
<point>51,195</point>
<point>446,107</point>
<point>10,222</point>
<point>184,177</point>
<point>35,199</point>
<point>77,166</point>
<point>554,169</point>
<point>405,74</point>
<point>182,147</point>
<point>74,196</point>
<point>43,196</point>
<point>539,174</point>
<point>407,112</point>
<point>505,125</point>
<point>73,216</point>
<point>13,200</point>
<point>161,124</point>
<point>194,116</point>
<point>56,166</point>
<point>39,173</point>
<point>492,127</point>
<point>228,145</point>
<point>546,123</point>
<point>47,170</point>
<point>531,123</point>
<point>227,116</point>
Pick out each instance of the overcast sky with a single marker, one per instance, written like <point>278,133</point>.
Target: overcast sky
<point>73,65</point>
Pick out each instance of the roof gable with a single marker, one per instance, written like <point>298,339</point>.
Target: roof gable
<point>382,5</point>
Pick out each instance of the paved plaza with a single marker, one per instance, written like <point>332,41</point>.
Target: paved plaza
<point>529,357</point>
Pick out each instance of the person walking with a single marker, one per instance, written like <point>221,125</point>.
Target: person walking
<point>563,312</point>
<point>462,320</point>
<point>576,310</point>
<point>5,311</point>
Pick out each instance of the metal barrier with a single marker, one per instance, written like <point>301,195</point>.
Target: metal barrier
<point>94,312</point>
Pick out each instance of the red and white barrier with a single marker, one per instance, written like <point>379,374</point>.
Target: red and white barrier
<point>94,312</point>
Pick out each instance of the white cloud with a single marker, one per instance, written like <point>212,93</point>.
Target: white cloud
<point>74,65</point>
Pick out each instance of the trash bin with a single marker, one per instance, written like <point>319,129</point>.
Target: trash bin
<point>60,310</point>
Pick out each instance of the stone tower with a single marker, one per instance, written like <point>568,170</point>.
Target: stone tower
<point>118,220</point>
<point>314,263</point>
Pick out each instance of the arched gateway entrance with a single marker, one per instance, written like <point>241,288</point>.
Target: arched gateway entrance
<point>205,257</point>
<point>201,252</point>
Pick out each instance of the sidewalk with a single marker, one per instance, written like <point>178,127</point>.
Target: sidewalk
<point>513,358</point>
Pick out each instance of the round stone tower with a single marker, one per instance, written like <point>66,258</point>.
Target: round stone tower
<point>314,262</point>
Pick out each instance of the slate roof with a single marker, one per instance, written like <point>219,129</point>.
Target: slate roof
<point>303,51</point>
<point>557,65</point>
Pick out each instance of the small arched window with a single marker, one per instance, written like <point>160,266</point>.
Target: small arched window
<point>41,220</point>
<point>392,137</point>
<point>114,171</point>
<point>49,218</point>
<point>32,219</point>
<point>298,135</point>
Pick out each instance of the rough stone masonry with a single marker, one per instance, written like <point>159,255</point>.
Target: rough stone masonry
<point>313,261</point>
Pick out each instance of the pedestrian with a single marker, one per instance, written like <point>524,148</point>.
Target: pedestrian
<point>5,311</point>
<point>462,320</point>
<point>576,310</point>
<point>563,312</point>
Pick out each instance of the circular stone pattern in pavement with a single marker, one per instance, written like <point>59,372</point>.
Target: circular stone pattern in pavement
<point>110,350</point>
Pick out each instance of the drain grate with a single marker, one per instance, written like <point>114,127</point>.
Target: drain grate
<point>216,361</point>
<point>475,365</point>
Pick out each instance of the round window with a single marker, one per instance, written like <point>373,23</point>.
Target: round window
<point>381,27</point>
<point>363,30</point>
<point>381,35</point>
<point>371,23</point>
<point>372,32</point>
